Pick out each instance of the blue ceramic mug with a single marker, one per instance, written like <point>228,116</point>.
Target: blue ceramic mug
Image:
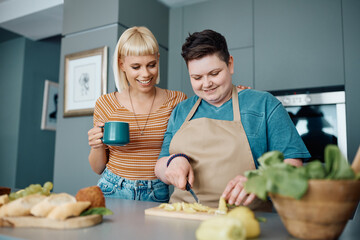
<point>116,133</point>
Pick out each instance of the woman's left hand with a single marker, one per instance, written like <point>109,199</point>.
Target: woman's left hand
<point>235,193</point>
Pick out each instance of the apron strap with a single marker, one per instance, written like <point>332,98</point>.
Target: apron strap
<point>193,110</point>
<point>235,102</point>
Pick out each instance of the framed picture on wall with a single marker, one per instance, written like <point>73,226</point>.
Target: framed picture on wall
<point>49,108</point>
<point>85,81</point>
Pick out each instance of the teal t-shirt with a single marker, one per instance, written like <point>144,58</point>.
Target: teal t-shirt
<point>266,123</point>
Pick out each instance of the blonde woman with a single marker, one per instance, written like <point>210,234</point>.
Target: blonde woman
<point>127,172</point>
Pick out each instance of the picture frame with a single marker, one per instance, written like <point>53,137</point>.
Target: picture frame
<point>85,81</point>
<point>49,108</point>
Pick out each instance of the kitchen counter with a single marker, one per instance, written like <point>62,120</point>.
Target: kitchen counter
<point>129,222</point>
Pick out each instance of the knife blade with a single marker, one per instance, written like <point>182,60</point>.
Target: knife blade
<point>188,188</point>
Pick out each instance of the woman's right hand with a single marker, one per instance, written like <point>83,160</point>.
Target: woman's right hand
<point>178,172</point>
<point>235,193</point>
<point>94,136</point>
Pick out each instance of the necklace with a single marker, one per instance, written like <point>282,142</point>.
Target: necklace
<point>137,123</point>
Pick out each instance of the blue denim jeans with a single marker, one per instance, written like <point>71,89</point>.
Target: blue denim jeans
<point>114,186</point>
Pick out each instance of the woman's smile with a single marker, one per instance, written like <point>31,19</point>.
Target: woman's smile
<point>144,82</point>
<point>210,91</point>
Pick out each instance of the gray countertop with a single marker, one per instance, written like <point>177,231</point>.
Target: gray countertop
<point>129,222</point>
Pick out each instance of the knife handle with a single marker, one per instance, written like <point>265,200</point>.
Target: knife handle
<point>188,186</point>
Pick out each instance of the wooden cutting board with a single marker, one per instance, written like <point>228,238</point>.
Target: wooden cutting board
<point>37,222</point>
<point>156,211</point>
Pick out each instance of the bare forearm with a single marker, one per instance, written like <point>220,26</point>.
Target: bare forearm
<point>160,168</point>
<point>294,161</point>
<point>98,159</point>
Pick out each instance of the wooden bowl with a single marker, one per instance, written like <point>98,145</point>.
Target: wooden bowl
<point>322,213</point>
<point>4,190</point>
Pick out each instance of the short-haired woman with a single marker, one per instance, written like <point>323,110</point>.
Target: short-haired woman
<point>218,134</point>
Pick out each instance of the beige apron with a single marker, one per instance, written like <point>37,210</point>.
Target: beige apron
<point>219,151</point>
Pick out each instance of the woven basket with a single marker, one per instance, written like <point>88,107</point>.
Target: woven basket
<point>322,213</point>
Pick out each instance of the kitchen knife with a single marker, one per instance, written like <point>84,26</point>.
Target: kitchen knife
<point>188,188</point>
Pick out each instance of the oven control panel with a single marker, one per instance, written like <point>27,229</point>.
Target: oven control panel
<point>312,98</point>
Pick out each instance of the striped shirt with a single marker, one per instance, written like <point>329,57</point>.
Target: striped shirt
<point>136,160</point>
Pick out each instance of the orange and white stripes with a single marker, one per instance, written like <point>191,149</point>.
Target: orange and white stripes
<point>137,159</point>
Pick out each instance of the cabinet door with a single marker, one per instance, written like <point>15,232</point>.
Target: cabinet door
<point>231,18</point>
<point>298,44</point>
<point>351,10</point>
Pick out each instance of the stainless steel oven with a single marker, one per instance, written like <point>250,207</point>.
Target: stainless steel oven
<point>320,119</point>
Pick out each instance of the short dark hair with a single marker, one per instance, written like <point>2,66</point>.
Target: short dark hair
<point>201,44</point>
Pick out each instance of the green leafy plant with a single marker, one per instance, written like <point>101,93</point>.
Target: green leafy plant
<point>277,177</point>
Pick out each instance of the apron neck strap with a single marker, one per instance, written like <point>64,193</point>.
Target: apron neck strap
<point>235,102</point>
<point>193,110</point>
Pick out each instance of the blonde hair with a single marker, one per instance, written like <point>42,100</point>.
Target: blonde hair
<point>135,41</point>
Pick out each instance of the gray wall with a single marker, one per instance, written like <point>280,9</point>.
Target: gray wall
<point>11,79</point>
<point>72,170</point>
<point>36,147</point>
<point>83,31</point>
<point>279,44</point>
<point>26,151</point>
